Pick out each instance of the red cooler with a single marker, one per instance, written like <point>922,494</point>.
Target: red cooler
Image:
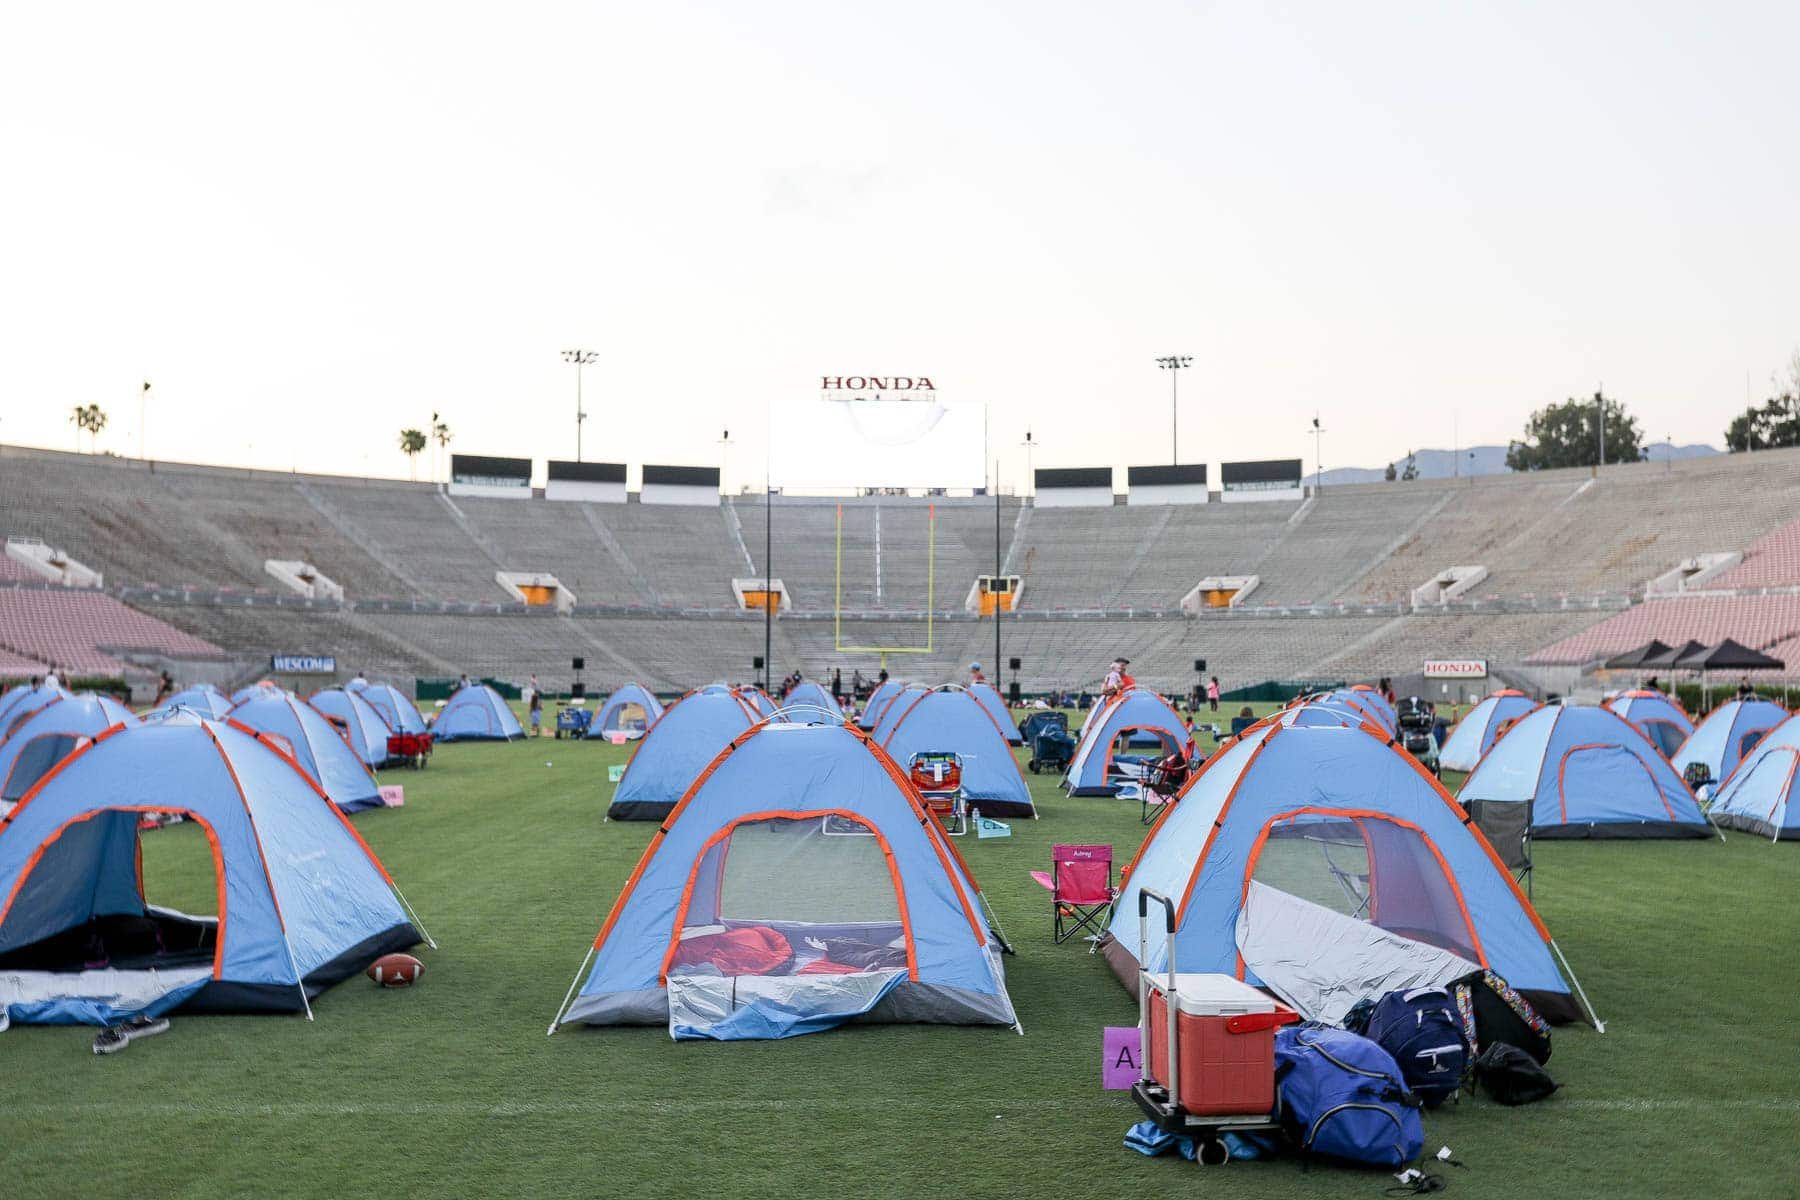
<point>1225,1038</point>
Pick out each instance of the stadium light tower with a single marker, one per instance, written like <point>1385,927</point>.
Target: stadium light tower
<point>1030,473</point>
<point>1318,433</point>
<point>1173,364</point>
<point>581,358</point>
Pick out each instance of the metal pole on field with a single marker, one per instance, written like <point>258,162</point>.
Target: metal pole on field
<point>580,358</point>
<point>1172,364</point>
<point>996,595</point>
<point>768,577</point>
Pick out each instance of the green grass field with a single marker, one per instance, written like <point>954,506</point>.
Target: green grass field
<point>1689,949</point>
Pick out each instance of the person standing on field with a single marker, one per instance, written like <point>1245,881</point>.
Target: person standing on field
<point>1212,693</point>
<point>534,704</point>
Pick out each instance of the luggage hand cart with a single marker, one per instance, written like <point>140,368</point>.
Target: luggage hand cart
<point>572,721</point>
<point>1234,1025</point>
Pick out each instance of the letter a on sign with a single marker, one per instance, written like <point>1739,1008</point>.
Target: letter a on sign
<point>1120,1065</point>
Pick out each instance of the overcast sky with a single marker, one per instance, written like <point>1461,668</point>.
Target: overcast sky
<point>312,225</point>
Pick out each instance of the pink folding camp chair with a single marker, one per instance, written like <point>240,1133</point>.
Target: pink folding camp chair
<point>1081,889</point>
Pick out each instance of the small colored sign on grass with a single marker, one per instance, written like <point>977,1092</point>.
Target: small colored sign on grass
<point>393,794</point>
<point>1120,1064</point>
<point>615,772</point>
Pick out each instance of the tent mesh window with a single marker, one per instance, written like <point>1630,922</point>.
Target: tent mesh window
<point>792,895</point>
<point>34,761</point>
<point>1667,735</point>
<point>1369,868</point>
<point>56,925</point>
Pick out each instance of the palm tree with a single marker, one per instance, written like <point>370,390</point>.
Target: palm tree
<point>90,417</point>
<point>440,432</point>
<point>411,442</point>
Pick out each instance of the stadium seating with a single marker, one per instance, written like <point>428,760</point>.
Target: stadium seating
<point>80,632</point>
<point>1565,551</point>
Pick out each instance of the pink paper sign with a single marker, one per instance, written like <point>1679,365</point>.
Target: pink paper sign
<point>393,794</point>
<point>1120,1065</point>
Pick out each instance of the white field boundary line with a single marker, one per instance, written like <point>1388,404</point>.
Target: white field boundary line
<point>537,1108</point>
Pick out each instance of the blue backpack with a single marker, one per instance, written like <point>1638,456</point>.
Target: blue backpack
<point>1342,1095</point>
<point>1421,1029</point>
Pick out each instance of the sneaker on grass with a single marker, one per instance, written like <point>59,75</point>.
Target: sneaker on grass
<point>111,1040</point>
<point>144,1026</point>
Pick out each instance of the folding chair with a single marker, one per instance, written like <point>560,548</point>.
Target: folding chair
<point>938,777</point>
<point>1081,889</point>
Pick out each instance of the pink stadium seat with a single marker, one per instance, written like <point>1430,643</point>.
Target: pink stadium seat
<point>76,629</point>
<point>1757,621</point>
<point>1771,561</point>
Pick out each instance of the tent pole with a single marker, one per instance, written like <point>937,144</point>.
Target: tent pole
<point>407,905</point>
<point>299,979</point>
<point>1599,1025</point>
<point>570,995</point>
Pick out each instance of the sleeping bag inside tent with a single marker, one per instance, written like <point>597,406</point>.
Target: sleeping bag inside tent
<point>628,713</point>
<point>44,738</point>
<point>394,705</point>
<point>1105,758</point>
<point>302,732</point>
<point>1729,732</point>
<point>1326,865</point>
<point>1586,772</point>
<point>300,901</point>
<point>797,885</point>
<point>357,721</point>
<point>1477,732</point>
<point>950,720</point>
<point>1759,797</point>
<point>1658,715</point>
<point>688,735</point>
<point>476,713</point>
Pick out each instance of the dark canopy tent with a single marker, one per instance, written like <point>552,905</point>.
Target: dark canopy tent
<point>1728,655</point>
<point>1668,657</point>
<point>1654,648</point>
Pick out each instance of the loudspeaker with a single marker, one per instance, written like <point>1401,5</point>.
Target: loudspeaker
<point>1012,664</point>
<point>756,663</point>
<point>1200,665</point>
<point>578,689</point>
<point>579,663</point>
<point>1012,693</point>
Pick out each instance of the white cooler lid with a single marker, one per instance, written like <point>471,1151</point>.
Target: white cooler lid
<point>1214,995</point>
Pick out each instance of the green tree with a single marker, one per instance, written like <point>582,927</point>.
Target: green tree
<point>1567,435</point>
<point>89,417</point>
<point>1390,473</point>
<point>1776,423</point>
<point>1412,468</point>
<point>412,441</point>
<point>440,433</point>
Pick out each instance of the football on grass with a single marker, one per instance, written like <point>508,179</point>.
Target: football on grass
<point>396,970</point>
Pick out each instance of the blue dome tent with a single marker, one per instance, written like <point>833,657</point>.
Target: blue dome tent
<point>628,712</point>
<point>394,705</point>
<point>995,705</point>
<point>1658,715</point>
<point>1587,773</point>
<point>950,719</point>
<point>1729,733</point>
<point>807,696</point>
<point>797,884</point>
<point>361,724</point>
<point>1476,733</point>
<point>315,746</point>
<point>26,699</point>
<point>879,699</point>
<point>476,714</point>
<point>690,733</point>
<point>1325,864</point>
<point>44,738</point>
<point>1759,797</point>
<point>1097,770</point>
<point>302,901</point>
<point>897,704</point>
<point>202,698</point>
